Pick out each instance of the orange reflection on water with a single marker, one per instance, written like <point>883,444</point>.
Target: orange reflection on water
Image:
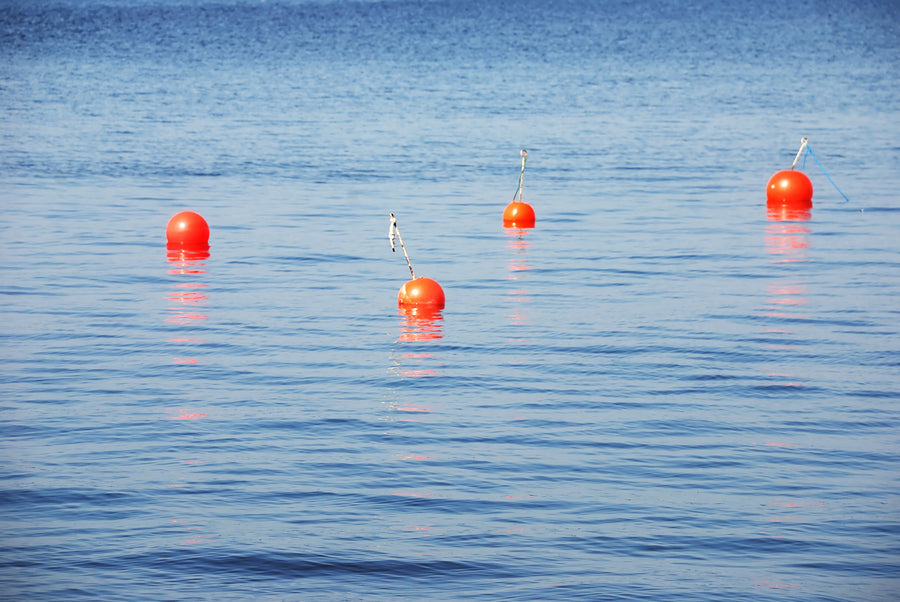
<point>189,414</point>
<point>196,537</point>
<point>185,360</point>
<point>188,296</point>
<point>793,292</point>
<point>187,262</point>
<point>186,317</point>
<point>419,529</point>
<point>785,513</point>
<point>419,359</point>
<point>787,213</point>
<point>518,316</point>
<point>788,383</point>
<point>420,373</point>
<point>407,408</point>
<point>420,324</point>
<point>787,242</point>
<point>785,296</point>
<point>516,241</point>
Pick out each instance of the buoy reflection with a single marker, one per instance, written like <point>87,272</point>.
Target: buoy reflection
<point>787,213</point>
<point>187,295</point>
<point>187,261</point>
<point>787,242</point>
<point>191,535</point>
<point>783,514</point>
<point>186,299</point>
<point>420,324</point>
<point>517,242</point>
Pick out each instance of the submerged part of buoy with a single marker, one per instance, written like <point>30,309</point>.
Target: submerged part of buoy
<point>789,188</point>
<point>187,230</point>
<point>421,292</point>
<point>518,215</point>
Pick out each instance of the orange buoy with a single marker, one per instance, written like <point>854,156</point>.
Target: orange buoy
<point>518,215</point>
<point>789,188</point>
<point>187,230</point>
<point>421,292</point>
<point>418,292</point>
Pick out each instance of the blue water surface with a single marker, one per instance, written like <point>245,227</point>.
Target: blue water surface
<point>662,391</point>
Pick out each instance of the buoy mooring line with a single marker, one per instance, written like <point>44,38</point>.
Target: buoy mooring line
<point>396,231</point>
<point>418,293</point>
<point>804,145</point>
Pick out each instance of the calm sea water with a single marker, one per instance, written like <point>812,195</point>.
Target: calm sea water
<point>660,392</point>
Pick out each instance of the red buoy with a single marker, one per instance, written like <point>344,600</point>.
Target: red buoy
<point>518,215</point>
<point>187,230</point>
<point>789,188</point>
<point>421,292</point>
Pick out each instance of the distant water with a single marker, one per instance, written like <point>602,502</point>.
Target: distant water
<point>660,392</point>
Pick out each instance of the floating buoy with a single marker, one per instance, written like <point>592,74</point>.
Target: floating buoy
<point>187,230</point>
<point>519,214</point>
<point>790,188</point>
<point>418,292</point>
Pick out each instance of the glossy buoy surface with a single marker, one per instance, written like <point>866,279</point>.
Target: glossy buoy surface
<point>518,215</point>
<point>187,230</point>
<point>421,292</point>
<point>791,188</point>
